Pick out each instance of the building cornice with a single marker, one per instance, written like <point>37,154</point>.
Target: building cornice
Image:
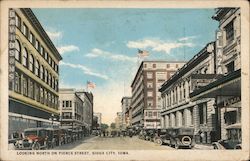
<point>39,29</point>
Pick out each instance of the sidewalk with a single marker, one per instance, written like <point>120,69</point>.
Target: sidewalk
<point>203,147</point>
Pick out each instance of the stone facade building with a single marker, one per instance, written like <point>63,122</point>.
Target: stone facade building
<point>146,99</point>
<point>33,73</point>
<point>178,110</point>
<point>227,89</point>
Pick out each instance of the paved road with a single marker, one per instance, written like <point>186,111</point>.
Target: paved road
<point>116,143</point>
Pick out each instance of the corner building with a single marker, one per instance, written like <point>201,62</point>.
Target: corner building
<point>146,99</point>
<point>178,110</point>
<point>33,89</point>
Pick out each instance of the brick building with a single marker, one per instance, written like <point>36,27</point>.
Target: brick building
<point>146,99</point>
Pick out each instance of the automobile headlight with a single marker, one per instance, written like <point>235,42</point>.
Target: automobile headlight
<point>30,141</point>
<point>20,142</point>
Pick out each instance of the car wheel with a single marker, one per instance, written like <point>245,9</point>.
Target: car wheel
<point>36,146</point>
<point>158,141</point>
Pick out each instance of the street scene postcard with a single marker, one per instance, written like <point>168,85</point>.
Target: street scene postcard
<point>124,80</point>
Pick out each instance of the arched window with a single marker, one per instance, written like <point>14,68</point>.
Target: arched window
<point>17,82</point>
<point>25,57</point>
<point>31,63</point>
<point>37,67</point>
<point>41,72</point>
<point>46,76</point>
<point>18,50</point>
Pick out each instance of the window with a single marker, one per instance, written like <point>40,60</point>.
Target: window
<point>49,99</point>
<point>46,55</point>
<point>150,94</point>
<point>25,87</point>
<point>150,85</point>
<point>149,114</point>
<point>31,63</point>
<point>31,89</point>
<point>229,28</point>
<point>45,97</point>
<point>154,65</point>
<point>168,65</point>
<point>41,72</point>
<point>56,68</point>
<point>145,65</point>
<point>25,30</point>
<point>177,65</point>
<point>53,64</point>
<point>203,113</point>
<point>56,83</point>
<point>155,113</point>
<point>46,76</point>
<point>17,82</point>
<point>41,50</point>
<point>49,80</point>
<point>149,75</point>
<point>25,57</point>
<point>37,92</point>
<point>184,91</point>
<point>41,94</point>
<point>230,67</point>
<point>37,67</point>
<point>37,45</point>
<point>18,21</point>
<point>31,38</point>
<point>53,82</point>
<point>150,103</point>
<point>18,50</point>
<point>49,60</point>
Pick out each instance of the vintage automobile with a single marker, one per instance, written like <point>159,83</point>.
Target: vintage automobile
<point>234,138</point>
<point>51,141</point>
<point>177,137</point>
<point>34,139</point>
<point>160,136</point>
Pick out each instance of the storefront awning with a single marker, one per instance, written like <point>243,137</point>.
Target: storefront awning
<point>229,85</point>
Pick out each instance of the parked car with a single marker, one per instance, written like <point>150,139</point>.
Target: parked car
<point>34,139</point>
<point>234,138</point>
<point>160,136</point>
<point>179,137</point>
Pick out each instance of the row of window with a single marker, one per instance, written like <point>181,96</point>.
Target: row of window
<point>37,45</point>
<point>29,88</point>
<point>177,94</point>
<point>155,65</point>
<point>152,113</point>
<point>32,64</point>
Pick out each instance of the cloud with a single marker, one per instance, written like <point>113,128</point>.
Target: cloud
<point>67,48</point>
<point>100,53</point>
<point>54,35</point>
<point>85,70</point>
<point>187,38</point>
<point>158,45</point>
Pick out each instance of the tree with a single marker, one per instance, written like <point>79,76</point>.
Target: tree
<point>112,125</point>
<point>104,126</point>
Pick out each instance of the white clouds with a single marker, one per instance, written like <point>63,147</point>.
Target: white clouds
<point>159,45</point>
<point>54,35</point>
<point>85,70</point>
<point>187,38</point>
<point>100,53</point>
<point>67,48</point>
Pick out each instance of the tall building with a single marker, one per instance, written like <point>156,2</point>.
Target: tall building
<point>126,102</point>
<point>118,121</point>
<point>178,110</point>
<point>146,99</point>
<point>76,110</point>
<point>33,73</point>
<point>227,89</point>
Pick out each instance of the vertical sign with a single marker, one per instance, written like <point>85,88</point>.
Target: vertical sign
<point>12,38</point>
<point>219,52</point>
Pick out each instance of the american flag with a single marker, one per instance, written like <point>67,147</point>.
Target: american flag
<point>90,84</point>
<point>142,53</point>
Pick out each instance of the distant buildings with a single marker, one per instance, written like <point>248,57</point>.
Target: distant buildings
<point>146,99</point>
<point>118,121</point>
<point>76,110</point>
<point>99,118</point>
<point>33,73</point>
<point>126,102</point>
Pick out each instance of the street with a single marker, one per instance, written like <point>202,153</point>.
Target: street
<point>116,143</point>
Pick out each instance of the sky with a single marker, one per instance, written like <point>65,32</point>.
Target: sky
<point>101,45</point>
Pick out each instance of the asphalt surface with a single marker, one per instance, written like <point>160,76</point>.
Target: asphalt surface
<point>115,143</point>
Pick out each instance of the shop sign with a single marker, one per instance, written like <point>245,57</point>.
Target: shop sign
<point>12,38</point>
<point>219,52</point>
<point>231,101</point>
